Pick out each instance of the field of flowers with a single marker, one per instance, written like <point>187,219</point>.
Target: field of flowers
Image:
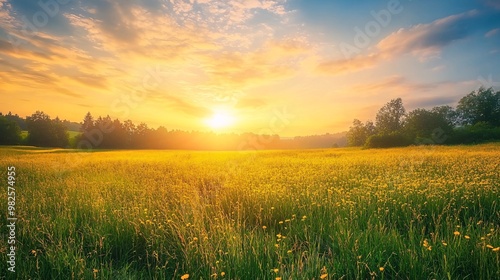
<point>408,213</point>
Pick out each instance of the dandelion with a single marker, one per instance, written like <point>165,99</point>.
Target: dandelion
<point>223,274</point>
<point>185,276</point>
<point>466,237</point>
<point>381,269</point>
<point>456,233</point>
<point>275,270</point>
<point>264,227</point>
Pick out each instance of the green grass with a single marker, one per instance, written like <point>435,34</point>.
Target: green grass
<point>71,134</point>
<point>418,213</point>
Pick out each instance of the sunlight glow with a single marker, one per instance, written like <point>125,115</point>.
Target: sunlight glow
<point>220,120</point>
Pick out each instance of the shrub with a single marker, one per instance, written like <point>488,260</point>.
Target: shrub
<point>394,139</point>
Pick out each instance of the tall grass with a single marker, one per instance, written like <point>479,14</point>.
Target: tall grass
<point>409,213</point>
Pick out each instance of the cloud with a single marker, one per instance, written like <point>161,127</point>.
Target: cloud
<point>397,84</point>
<point>250,103</point>
<point>178,104</point>
<point>335,67</point>
<point>492,33</point>
<point>423,41</point>
<point>493,3</point>
<point>434,101</point>
<point>426,40</point>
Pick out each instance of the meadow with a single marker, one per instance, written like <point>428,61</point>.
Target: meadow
<point>406,213</point>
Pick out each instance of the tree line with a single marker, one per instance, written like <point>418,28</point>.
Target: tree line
<point>106,133</point>
<point>475,119</point>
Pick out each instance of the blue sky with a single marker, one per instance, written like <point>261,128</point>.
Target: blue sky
<point>176,63</point>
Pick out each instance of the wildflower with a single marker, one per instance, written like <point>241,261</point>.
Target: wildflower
<point>195,239</point>
<point>223,274</point>
<point>289,251</point>
<point>456,233</point>
<point>495,249</point>
<point>278,278</point>
<point>466,237</point>
<point>489,246</point>
<point>444,243</point>
<point>275,270</point>
<point>323,276</point>
<point>381,269</point>
<point>185,276</point>
<point>264,227</point>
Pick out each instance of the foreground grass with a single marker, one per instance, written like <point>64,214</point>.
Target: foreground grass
<point>411,213</point>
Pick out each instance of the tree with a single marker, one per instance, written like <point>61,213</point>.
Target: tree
<point>447,113</point>
<point>482,105</point>
<point>59,133</point>
<point>426,126</point>
<point>389,118</point>
<point>88,123</point>
<point>358,133</point>
<point>10,133</point>
<point>42,131</point>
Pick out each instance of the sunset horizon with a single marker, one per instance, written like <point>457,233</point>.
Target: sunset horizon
<point>235,66</point>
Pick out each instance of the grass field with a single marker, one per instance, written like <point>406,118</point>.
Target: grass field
<point>409,213</point>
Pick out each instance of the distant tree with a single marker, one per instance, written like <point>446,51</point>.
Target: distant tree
<point>393,139</point>
<point>88,123</point>
<point>448,113</point>
<point>15,118</point>
<point>106,141</point>
<point>427,127</point>
<point>482,105</point>
<point>389,118</point>
<point>10,133</point>
<point>358,133</point>
<point>59,133</point>
<point>44,132</point>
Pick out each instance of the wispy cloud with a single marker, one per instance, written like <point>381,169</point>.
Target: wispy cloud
<point>423,41</point>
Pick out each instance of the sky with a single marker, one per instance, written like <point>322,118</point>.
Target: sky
<point>287,67</point>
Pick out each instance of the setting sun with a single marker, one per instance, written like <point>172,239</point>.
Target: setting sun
<point>220,120</point>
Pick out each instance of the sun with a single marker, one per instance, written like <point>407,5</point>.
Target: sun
<point>220,120</point>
